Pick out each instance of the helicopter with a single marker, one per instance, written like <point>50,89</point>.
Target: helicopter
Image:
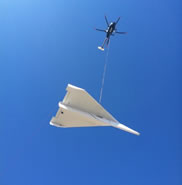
<point>111,29</point>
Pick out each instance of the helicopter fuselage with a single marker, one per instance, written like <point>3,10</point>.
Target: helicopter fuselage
<point>110,29</point>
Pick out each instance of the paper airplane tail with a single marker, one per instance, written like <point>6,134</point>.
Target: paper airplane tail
<point>101,48</point>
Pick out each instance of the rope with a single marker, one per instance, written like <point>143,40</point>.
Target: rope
<point>104,73</point>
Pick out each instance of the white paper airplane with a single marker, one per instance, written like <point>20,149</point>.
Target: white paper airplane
<point>79,109</point>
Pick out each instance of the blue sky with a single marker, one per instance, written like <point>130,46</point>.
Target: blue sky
<point>44,45</point>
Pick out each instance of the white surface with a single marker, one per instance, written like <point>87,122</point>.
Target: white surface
<point>79,99</point>
<point>79,109</point>
<point>99,47</point>
<point>70,117</point>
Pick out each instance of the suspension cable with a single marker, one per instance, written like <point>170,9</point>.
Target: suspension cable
<point>104,73</point>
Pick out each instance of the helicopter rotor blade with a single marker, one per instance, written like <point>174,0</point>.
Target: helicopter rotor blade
<point>106,21</point>
<point>121,32</point>
<point>100,30</point>
<point>117,20</point>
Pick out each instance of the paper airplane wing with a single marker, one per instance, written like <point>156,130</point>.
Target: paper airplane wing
<point>78,98</point>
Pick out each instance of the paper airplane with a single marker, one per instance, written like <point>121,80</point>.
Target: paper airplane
<point>79,109</point>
